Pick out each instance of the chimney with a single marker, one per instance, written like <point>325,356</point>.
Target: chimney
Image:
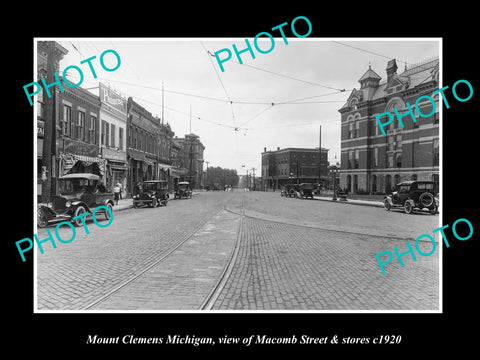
<point>278,148</point>
<point>391,69</point>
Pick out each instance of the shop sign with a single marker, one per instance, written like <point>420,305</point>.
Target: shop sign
<point>109,97</point>
<point>80,148</point>
<point>40,128</point>
<point>113,154</point>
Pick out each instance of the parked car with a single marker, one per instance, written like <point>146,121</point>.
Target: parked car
<point>79,193</point>
<point>306,190</point>
<point>183,190</point>
<point>154,193</point>
<point>290,190</point>
<point>414,195</point>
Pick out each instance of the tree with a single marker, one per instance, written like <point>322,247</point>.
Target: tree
<point>220,177</point>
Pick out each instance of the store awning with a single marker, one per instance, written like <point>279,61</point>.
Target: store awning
<point>67,161</point>
<point>164,167</point>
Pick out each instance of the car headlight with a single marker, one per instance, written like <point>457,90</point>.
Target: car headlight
<point>68,204</point>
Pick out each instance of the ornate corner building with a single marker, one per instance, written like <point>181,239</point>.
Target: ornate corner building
<point>372,162</point>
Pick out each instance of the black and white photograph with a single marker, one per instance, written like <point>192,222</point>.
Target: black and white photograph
<point>238,175</point>
<point>221,179</point>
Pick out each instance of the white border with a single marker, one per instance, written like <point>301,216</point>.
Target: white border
<point>35,107</point>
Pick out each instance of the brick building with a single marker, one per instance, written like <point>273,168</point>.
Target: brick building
<point>190,157</point>
<point>372,162</point>
<point>78,139</point>
<point>142,144</point>
<point>293,165</point>
<point>49,54</point>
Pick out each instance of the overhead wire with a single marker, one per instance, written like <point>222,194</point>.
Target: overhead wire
<point>221,83</point>
<point>369,51</point>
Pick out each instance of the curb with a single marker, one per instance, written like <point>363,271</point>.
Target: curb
<point>352,201</point>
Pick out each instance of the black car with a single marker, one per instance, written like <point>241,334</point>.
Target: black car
<point>414,195</point>
<point>183,190</point>
<point>79,193</point>
<point>291,190</point>
<point>306,190</point>
<point>154,193</point>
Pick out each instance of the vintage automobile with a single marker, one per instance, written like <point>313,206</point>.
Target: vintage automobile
<point>79,193</point>
<point>414,195</point>
<point>183,190</point>
<point>290,190</point>
<point>306,190</point>
<point>153,193</point>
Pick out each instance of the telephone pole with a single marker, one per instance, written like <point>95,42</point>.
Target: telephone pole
<point>54,55</point>
<point>320,155</point>
<point>253,170</point>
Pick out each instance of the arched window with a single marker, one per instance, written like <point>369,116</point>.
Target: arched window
<point>388,183</point>
<point>353,103</point>
<point>374,183</point>
<point>396,179</point>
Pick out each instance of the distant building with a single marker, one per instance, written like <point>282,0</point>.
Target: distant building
<point>372,162</point>
<point>190,157</point>
<point>293,165</point>
<point>150,147</point>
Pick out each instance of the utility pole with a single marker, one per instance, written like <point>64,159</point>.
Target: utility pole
<point>49,139</point>
<point>253,169</point>
<point>191,150</point>
<point>320,155</point>
<point>206,180</point>
<point>162,105</point>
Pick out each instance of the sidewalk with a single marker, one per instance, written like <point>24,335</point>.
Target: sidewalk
<point>375,203</point>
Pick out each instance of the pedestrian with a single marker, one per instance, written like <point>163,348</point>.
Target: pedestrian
<point>119,184</point>
<point>137,190</point>
<point>116,193</point>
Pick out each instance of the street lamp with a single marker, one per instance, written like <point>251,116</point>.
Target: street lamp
<point>334,170</point>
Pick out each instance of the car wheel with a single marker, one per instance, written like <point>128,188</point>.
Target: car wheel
<point>79,211</point>
<point>107,214</point>
<point>408,207</point>
<point>154,202</point>
<point>135,205</point>
<point>433,210</point>
<point>426,199</point>
<point>42,218</point>
<point>387,205</point>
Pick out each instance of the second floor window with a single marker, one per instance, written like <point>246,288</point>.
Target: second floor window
<point>67,120</point>
<point>105,133</point>
<point>120,138</point>
<point>112,134</point>
<point>81,126</point>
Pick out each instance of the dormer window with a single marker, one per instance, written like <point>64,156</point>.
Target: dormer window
<point>353,104</point>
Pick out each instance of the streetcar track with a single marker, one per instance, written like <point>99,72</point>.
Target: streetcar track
<point>170,251</point>
<point>210,300</point>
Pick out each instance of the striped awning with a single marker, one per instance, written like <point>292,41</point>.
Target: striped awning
<point>67,161</point>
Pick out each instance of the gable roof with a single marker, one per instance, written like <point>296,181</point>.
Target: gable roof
<point>369,74</point>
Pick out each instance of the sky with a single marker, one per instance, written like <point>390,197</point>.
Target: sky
<point>279,99</point>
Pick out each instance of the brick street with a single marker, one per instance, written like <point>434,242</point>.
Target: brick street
<point>292,255</point>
